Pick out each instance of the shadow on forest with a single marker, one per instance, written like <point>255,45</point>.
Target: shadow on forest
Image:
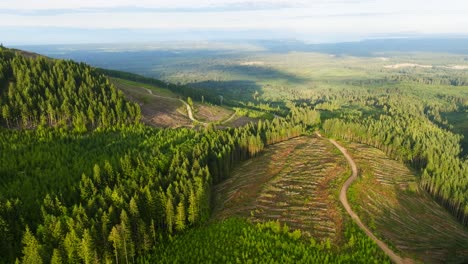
<point>259,72</point>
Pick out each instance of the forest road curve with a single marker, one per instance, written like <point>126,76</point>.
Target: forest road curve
<point>189,109</point>
<point>344,200</point>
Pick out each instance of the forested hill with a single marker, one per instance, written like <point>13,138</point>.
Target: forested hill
<point>36,91</point>
<point>116,192</point>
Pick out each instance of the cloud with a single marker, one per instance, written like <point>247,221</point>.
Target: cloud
<point>227,7</point>
<point>301,18</point>
<point>47,5</point>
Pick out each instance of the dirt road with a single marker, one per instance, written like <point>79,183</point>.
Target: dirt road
<point>189,109</point>
<point>229,119</point>
<point>344,200</point>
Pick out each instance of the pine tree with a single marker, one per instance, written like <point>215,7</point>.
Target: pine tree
<point>169,214</point>
<point>180,218</point>
<point>32,249</point>
<point>6,114</point>
<point>193,207</point>
<point>126,235</point>
<point>87,247</point>
<point>114,237</point>
<point>56,257</point>
<point>71,244</point>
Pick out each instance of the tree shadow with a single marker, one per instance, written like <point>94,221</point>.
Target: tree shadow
<point>258,72</point>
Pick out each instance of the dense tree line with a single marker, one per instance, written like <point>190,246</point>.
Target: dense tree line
<point>158,184</point>
<point>405,132</point>
<point>451,78</point>
<point>40,92</point>
<point>435,78</point>
<point>236,241</point>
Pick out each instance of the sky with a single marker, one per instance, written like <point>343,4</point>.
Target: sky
<point>27,22</point>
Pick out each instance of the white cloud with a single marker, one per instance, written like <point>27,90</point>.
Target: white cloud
<point>73,4</point>
<point>358,17</point>
<point>301,20</point>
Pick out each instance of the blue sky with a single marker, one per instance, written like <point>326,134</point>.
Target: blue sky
<point>105,21</point>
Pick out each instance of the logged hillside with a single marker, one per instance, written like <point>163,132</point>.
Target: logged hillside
<point>39,92</point>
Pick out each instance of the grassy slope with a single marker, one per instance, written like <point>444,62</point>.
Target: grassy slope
<point>389,201</point>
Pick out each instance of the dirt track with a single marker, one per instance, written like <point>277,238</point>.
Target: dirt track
<point>344,200</point>
<point>189,109</point>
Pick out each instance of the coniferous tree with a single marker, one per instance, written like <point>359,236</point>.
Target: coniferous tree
<point>180,218</point>
<point>32,249</point>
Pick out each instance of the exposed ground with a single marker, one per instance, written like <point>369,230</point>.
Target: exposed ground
<point>404,65</point>
<point>162,108</point>
<point>238,121</point>
<point>388,199</point>
<point>295,182</point>
<point>156,111</point>
<point>413,65</point>
<point>211,113</point>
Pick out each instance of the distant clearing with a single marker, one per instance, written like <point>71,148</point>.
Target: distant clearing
<point>295,182</point>
<point>388,199</point>
<point>240,121</point>
<point>405,65</point>
<point>251,63</point>
<point>413,65</point>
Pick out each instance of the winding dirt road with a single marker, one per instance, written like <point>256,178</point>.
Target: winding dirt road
<point>229,119</point>
<point>189,109</point>
<point>344,200</point>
